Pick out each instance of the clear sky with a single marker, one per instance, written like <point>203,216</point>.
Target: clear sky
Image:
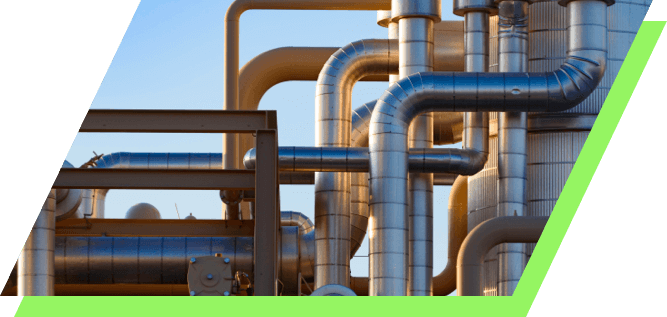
<point>172,58</point>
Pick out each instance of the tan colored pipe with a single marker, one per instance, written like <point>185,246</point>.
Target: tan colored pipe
<point>231,64</point>
<point>490,233</point>
<point>445,282</point>
<point>305,63</point>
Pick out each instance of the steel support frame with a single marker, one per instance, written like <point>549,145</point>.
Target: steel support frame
<point>264,180</point>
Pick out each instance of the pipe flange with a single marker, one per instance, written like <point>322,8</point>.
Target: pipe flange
<point>384,18</point>
<point>333,290</point>
<point>67,201</point>
<point>411,9</point>
<point>565,2</point>
<point>463,6</point>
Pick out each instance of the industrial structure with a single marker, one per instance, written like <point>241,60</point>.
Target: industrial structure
<point>519,83</point>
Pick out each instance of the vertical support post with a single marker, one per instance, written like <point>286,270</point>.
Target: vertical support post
<point>267,216</point>
<point>36,263</point>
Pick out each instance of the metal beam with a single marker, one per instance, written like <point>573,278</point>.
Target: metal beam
<point>178,121</point>
<point>155,228</point>
<point>267,215</point>
<point>154,179</point>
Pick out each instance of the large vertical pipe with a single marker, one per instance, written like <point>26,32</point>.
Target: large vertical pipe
<point>389,244</point>
<point>37,259</point>
<point>512,148</point>
<point>476,58</point>
<point>333,105</point>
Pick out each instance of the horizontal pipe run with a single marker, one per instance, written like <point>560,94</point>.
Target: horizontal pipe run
<point>308,178</point>
<point>482,238</point>
<point>320,159</point>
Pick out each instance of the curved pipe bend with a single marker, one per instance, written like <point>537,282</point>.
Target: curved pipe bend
<point>468,92</point>
<point>485,236</point>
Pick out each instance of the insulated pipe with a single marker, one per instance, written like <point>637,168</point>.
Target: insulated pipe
<point>359,181</point>
<point>305,63</point>
<point>471,92</point>
<point>36,262</point>
<point>333,113</point>
<point>354,159</point>
<point>482,238</point>
<point>296,219</point>
<point>416,43</point>
<point>231,63</point>
<point>512,141</point>
<point>308,178</point>
<point>445,282</point>
<point>142,260</point>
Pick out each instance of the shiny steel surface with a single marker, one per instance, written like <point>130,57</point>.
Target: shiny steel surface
<point>359,210</point>
<point>296,219</point>
<point>333,112</point>
<point>461,7</point>
<point>355,159</point>
<point>401,9</point>
<point>552,153</point>
<point>416,45</point>
<point>469,266</point>
<point>36,262</point>
<point>423,92</point>
<point>146,260</point>
<point>512,130</point>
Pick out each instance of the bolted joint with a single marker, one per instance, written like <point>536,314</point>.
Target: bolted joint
<point>429,9</point>
<point>566,2</point>
<point>461,7</point>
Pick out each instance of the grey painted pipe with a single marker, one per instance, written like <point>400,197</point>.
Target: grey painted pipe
<point>333,111</point>
<point>512,141</point>
<point>471,92</point>
<point>36,262</point>
<point>482,238</point>
<point>353,159</point>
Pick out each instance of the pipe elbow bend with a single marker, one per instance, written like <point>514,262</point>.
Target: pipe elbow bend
<point>477,161</point>
<point>575,80</point>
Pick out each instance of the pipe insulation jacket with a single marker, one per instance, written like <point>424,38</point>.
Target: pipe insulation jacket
<point>426,92</point>
<point>36,262</point>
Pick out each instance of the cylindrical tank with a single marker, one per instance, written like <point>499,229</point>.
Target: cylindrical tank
<point>552,148</point>
<point>143,211</point>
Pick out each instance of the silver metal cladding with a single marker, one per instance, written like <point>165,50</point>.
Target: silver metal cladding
<point>415,8</point>
<point>36,261</point>
<point>512,141</point>
<point>470,92</point>
<point>461,7</point>
<point>334,112</point>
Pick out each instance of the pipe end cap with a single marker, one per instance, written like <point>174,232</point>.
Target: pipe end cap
<point>566,2</point>
<point>461,7</point>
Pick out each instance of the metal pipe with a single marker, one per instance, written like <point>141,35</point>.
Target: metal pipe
<point>512,143</point>
<point>333,112</point>
<point>231,62</point>
<point>308,178</point>
<point>445,282</point>
<point>36,262</point>
<point>142,260</point>
<point>471,92</point>
<point>356,159</point>
<point>485,236</point>
<point>296,219</point>
<point>406,273</point>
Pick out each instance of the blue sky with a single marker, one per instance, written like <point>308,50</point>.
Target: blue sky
<point>172,58</point>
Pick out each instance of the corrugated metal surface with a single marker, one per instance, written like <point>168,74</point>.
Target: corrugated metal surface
<point>551,154</point>
<point>482,197</point>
